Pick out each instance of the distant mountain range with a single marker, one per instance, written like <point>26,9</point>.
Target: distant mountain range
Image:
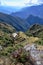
<point>8,9</point>
<point>33,10</point>
<point>24,18</point>
<point>23,12</point>
<point>34,20</point>
<point>18,23</point>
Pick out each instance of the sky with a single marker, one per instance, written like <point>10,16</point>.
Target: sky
<point>20,3</point>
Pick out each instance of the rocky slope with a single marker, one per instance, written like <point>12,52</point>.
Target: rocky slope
<point>12,50</point>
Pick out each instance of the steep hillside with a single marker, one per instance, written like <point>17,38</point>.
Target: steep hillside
<point>5,33</point>
<point>36,30</point>
<point>34,20</point>
<point>33,10</point>
<point>12,50</point>
<point>6,28</point>
<point>16,22</point>
<point>7,36</point>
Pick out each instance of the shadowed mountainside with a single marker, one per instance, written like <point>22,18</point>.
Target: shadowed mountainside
<point>34,20</point>
<point>16,22</point>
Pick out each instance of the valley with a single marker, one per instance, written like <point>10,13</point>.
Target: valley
<point>21,35</point>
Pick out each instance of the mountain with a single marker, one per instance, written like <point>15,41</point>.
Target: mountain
<point>16,22</point>
<point>34,19</point>
<point>11,48</point>
<point>36,30</point>
<point>6,28</point>
<point>5,34</point>
<point>33,10</point>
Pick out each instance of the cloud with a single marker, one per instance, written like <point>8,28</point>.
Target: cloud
<point>34,2</point>
<point>20,3</point>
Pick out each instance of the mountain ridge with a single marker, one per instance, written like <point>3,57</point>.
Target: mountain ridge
<point>33,10</point>
<point>35,30</point>
<point>16,22</point>
<point>34,20</point>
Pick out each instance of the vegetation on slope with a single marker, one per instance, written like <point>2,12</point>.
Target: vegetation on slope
<point>12,48</point>
<point>36,31</point>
